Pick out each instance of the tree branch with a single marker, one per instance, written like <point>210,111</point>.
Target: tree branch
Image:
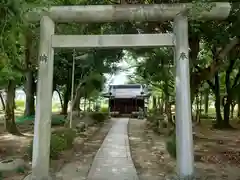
<point>236,79</point>
<point>218,60</point>
<point>233,42</point>
<point>211,85</point>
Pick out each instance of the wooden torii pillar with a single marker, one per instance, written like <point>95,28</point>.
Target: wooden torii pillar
<point>117,13</point>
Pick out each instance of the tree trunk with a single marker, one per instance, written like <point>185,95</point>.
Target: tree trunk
<point>29,84</point>
<point>29,90</point>
<point>2,101</point>
<point>217,102</point>
<point>206,100</point>
<point>77,98</point>
<point>60,97</point>
<point>10,124</point>
<point>66,97</point>
<point>80,104</point>
<point>85,103</point>
<point>228,102</point>
<point>67,92</point>
<point>154,103</point>
<point>167,104</point>
<point>208,73</point>
<point>198,108</point>
<point>238,104</point>
<point>160,104</point>
<point>89,105</point>
<point>76,102</point>
<point>232,110</point>
<point>227,113</point>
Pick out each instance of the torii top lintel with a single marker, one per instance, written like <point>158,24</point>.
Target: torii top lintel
<point>120,13</point>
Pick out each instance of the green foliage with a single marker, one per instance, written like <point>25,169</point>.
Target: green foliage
<point>92,84</point>
<point>99,117</point>
<point>20,103</point>
<point>60,140</point>
<point>23,119</point>
<point>104,110</point>
<point>58,144</point>
<point>56,119</point>
<point>171,146</point>
<point>89,72</point>
<point>68,134</point>
<point>21,170</point>
<point>153,68</point>
<point>156,70</point>
<point>153,121</point>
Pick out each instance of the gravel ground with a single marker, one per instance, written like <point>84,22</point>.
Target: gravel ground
<point>153,162</point>
<point>147,154</point>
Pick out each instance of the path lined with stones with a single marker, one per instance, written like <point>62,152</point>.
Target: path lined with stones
<point>113,160</point>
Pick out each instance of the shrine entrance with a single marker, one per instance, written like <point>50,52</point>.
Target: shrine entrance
<point>178,40</point>
<point>125,105</point>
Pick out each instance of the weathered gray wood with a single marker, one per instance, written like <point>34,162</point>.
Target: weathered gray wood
<point>112,41</point>
<point>183,104</point>
<point>42,125</point>
<point>115,13</point>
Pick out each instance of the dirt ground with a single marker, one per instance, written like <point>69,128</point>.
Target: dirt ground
<point>85,147</point>
<point>81,161</point>
<point>217,153</point>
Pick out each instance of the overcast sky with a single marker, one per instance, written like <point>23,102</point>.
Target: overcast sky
<point>122,77</point>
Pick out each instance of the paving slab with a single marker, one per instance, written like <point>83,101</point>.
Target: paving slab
<point>113,160</point>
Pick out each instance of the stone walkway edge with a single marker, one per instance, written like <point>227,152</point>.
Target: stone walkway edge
<point>113,160</point>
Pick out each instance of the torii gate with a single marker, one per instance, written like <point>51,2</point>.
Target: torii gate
<point>115,13</point>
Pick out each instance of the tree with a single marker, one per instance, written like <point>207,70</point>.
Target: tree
<point>156,70</point>
<point>18,53</point>
<point>11,54</point>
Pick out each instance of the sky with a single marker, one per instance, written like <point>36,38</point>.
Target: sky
<point>122,76</point>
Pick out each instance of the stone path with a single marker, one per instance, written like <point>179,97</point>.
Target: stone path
<point>79,165</point>
<point>113,160</point>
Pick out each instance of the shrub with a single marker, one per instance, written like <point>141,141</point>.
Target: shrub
<point>154,123</point>
<point>151,118</point>
<point>171,146</point>
<point>98,117</point>
<point>68,135</point>
<point>104,109</point>
<point>58,120</point>
<point>57,145</point>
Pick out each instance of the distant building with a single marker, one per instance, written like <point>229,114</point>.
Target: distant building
<point>127,99</point>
